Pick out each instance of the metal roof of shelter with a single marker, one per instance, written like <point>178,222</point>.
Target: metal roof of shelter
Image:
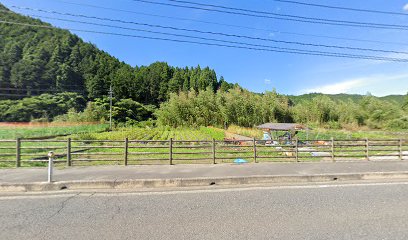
<point>282,126</point>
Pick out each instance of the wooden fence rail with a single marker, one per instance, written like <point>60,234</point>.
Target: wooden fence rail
<point>24,152</point>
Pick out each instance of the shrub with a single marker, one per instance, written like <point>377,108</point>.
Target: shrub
<point>400,123</point>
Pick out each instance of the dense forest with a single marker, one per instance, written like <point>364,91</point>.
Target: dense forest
<point>40,60</point>
<point>52,75</point>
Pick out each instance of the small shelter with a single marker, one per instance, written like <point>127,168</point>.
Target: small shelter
<point>282,127</point>
<point>290,129</point>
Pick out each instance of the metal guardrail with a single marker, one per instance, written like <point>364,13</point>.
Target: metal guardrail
<point>24,152</point>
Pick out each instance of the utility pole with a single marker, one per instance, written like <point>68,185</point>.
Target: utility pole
<point>110,107</point>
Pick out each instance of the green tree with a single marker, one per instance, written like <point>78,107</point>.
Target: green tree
<point>126,110</point>
<point>405,104</point>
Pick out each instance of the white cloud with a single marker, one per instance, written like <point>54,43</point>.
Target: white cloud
<point>340,87</point>
<point>378,85</point>
<point>267,81</point>
<point>405,8</point>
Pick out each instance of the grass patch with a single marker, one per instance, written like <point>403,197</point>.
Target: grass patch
<point>11,132</point>
<point>248,132</point>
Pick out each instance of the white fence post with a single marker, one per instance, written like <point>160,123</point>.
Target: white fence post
<point>51,156</point>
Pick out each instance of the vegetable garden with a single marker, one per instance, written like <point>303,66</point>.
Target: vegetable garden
<point>134,146</point>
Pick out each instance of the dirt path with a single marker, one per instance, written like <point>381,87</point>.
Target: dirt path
<point>233,136</point>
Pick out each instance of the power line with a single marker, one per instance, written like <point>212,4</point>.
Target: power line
<point>32,94</point>
<point>283,15</point>
<point>233,25</point>
<point>61,84</point>
<point>16,95</point>
<point>54,84</point>
<point>199,31</point>
<point>341,8</point>
<point>226,41</point>
<point>217,40</point>
<point>40,90</point>
<point>220,45</point>
<point>286,17</point>
<point>230,46</point>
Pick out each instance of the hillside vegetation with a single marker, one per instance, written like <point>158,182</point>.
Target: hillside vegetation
<point>243,108</point>
<point>50,74</point>
<point>36,60</point>
<point>399,99</point>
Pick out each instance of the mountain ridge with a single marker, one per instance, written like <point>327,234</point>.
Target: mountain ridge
<point>344,97</point>
<point>39,60</point>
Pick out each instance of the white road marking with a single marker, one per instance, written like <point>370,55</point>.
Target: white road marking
<point>145,192</point>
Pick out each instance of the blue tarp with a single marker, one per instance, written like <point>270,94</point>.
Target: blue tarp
<point>240,160</point>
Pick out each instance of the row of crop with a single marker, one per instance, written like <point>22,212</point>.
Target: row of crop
<point>203,133</point>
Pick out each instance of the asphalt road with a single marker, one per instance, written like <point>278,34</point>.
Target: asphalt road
<point>342,211</point>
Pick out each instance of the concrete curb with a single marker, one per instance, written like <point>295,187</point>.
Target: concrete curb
<point>195,182</point>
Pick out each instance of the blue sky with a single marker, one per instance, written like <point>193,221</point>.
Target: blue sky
<point>255,70</point>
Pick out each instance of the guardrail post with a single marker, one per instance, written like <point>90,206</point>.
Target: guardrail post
<point>213,151</point>
<point>51,156</point>
<point>69,152</point>
<point>332,149</point>
<point>126,151</point>
<point>400,150</point>
<point>254,143</point>
<point>367,152</point>
<point>297,149</point>
<point>171,151</point>
<point>18,152</point>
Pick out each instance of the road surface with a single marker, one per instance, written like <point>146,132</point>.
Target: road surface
<point>340,211</point>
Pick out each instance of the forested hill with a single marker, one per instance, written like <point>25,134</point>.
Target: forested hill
<point>400,99</point>
<point>37,60</point>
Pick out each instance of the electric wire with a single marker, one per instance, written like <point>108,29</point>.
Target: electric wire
<point>218,45</point>
<point>341,8</point>
<point>281,16</point>
<point>204,32</point>
<point>15,95</point>
<point>211,39</point>
<point>38,90</point>
<point>232,25</point>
